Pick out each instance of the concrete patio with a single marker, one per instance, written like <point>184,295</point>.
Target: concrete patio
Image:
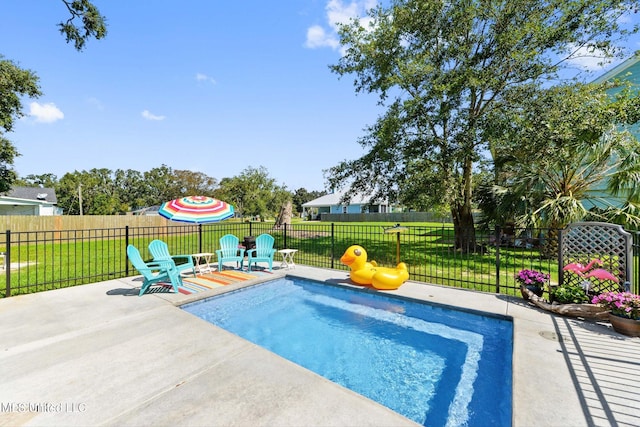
<point>100,355</point>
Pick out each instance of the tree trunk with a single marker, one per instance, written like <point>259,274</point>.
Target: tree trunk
<point>286,212</point>
<point>465,233</point>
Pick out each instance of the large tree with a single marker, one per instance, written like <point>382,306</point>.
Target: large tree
<point>48,180</point>
<point>440,68</point>
<point>164,183</point>
<point>564,155</point>
<point>90,192</point>
<point>104,192</point>
<point>131,188</point>
<point>194,183</point>
<point>16,82</point>
<point>253,193</point>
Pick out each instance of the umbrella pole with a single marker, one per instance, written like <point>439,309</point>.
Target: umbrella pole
<point>199,238</point>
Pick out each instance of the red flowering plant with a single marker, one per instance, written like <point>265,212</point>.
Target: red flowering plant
<point>623,304</point>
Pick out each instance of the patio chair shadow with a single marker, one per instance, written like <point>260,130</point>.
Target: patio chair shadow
<point>125,292</point>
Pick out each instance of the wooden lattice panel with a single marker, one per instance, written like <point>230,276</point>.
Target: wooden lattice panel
<point>584,242</point>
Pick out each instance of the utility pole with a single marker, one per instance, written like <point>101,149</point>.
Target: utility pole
<point>80,197</point>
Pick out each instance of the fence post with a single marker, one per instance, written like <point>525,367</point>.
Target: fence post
<point>126,245</point>
<point>333,241</point>
<point>560,270</point>
<point>7,263</point>
<point>498,232</point>
<point>285,235</point>
<point>635,287</point>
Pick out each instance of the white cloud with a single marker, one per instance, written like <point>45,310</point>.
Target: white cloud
<point>594,59</point>
<point>587,59</point>
<point>204,78</point>
<point>338,13</point>
<point>317,37</point>
<point>45,113</point>
<point>149,116</point>
<point>95,102</point>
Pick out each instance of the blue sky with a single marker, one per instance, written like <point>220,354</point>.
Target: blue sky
<point>207,86</point>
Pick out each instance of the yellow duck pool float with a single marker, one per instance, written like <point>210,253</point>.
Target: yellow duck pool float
<point>368,273</point>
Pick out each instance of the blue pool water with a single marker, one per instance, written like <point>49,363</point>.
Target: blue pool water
<point>434,365</point>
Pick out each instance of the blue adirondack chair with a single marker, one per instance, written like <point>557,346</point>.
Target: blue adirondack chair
<point>230,251</point>
<point>155,271</point>
<point>159,250</point>
<point>263,252</point>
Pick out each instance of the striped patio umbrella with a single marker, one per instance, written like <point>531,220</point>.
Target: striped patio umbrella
<point>196,209</point>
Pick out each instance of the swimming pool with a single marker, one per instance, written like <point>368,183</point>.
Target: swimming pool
<point>434,365</point>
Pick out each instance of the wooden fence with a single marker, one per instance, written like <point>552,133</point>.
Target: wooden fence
<point>387,217</point>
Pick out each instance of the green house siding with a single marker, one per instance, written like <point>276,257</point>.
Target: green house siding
<point>629,71</point>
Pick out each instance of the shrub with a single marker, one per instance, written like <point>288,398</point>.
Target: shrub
<point>569,294</point>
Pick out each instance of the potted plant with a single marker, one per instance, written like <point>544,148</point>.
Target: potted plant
<point>624,311</point>
<point>532,280</point>
<point>568,294</point>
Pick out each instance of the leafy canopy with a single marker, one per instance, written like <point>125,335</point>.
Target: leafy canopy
<point>16,82</point>
<point>253,193</point>
<point>565,152</point>
<point>93,23</point>
<point>441,67</point>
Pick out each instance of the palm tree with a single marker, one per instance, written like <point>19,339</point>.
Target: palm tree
<point>570,160</point>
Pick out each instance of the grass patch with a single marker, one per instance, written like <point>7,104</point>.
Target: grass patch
<point>50,261</point>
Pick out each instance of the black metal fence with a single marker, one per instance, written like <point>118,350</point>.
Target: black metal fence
<point>44,260</point>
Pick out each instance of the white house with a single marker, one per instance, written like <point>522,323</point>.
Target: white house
<point>148,211</point>
<point>30,201</point>
<point>330,203</point>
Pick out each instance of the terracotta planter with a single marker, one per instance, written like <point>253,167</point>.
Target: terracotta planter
<point>625,326</point>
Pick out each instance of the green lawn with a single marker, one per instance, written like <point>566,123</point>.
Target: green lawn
<point>427,248</point>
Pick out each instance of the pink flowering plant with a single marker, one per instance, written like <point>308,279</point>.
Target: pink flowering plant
<point>531,277</point>
<point>623,304</point>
